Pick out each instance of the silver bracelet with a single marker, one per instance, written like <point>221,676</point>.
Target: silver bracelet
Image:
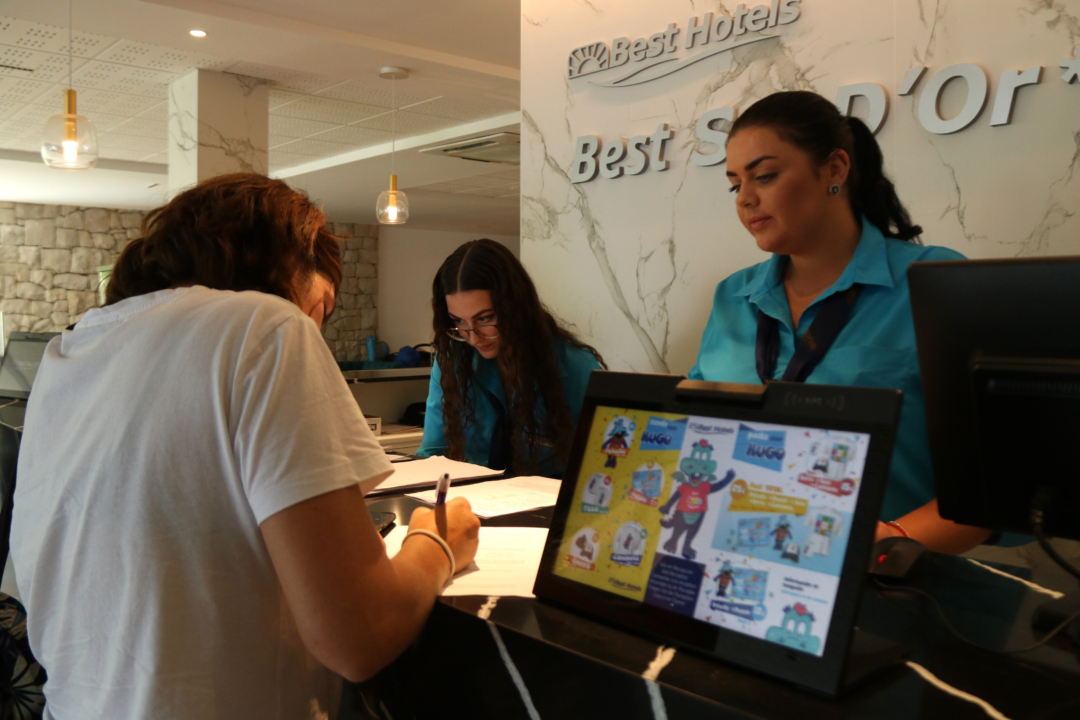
<point>445,547</point>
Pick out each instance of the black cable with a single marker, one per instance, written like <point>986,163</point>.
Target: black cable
<point>949,626</point>
<point>1044,543</point>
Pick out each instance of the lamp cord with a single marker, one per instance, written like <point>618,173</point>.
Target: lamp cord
<point>393,121</point>
<point>71,85</point>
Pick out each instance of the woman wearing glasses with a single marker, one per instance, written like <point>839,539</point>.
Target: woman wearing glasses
<point>509,382</point>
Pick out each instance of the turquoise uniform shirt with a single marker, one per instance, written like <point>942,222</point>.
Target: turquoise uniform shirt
<point>575,366</point>
<point>876,348</point>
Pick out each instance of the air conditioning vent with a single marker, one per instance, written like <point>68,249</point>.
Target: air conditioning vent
<point>498,148</point>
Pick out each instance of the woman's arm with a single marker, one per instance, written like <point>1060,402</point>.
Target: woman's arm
<point>935,532</point>
<point>434,441</point>
<point>355,608</point>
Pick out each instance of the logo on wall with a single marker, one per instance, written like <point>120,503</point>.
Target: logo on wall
<point>712,34</point>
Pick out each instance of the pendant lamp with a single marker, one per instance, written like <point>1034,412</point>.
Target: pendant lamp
<point>69,141</point>
<point>392,207</point>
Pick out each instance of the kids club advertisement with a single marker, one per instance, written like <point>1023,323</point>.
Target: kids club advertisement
<point>742,525</point>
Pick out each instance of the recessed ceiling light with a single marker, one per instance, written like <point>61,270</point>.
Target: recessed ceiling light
<point>198,33</point>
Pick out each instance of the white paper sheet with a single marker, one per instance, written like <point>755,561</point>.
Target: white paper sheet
<point>424,473</point>
<point>502,497</point>
<point>506,561</point>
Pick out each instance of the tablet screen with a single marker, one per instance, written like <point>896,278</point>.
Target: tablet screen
<point>740,524</point>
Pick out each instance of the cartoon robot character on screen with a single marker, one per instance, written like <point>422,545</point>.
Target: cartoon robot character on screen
<point>696,479</point>
<point>725,579</point>
<point>782,532</point>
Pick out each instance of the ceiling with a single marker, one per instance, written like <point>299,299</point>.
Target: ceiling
<point>330,114</point>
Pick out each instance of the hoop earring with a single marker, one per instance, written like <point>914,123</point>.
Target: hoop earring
<point>834,189</point>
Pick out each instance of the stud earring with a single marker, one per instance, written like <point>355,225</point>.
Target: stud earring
<point>834,189</point>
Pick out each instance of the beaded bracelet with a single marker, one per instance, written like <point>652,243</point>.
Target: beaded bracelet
<point>445,547</point>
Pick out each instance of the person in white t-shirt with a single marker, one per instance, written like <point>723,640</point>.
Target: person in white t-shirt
<point>190,536</point>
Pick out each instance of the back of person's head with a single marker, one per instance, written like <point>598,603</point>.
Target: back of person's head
<point>232,232</point>
<point>814,125</point>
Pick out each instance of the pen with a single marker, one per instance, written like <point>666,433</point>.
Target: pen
<point>441,487</point>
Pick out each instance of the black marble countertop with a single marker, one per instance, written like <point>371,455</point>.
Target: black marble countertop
<point>519,657</point>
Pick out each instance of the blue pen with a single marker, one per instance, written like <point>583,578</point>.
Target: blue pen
<point>441,487</point>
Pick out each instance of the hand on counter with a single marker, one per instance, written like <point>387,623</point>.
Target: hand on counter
<point>455,523</point>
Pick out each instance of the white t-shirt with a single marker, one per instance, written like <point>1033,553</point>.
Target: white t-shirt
<point>159,434</point>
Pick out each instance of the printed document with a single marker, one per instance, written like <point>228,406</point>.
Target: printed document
<point>506,561</point>
<point>503,497</point>
<point>424,473</point>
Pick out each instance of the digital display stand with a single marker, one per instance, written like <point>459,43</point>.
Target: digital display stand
<point>731,520</point>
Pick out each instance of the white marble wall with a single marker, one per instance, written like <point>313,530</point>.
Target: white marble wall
<point>218,123</point>
<point>632,262</point>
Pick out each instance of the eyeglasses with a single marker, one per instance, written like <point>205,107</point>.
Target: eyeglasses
<point>485,331</point>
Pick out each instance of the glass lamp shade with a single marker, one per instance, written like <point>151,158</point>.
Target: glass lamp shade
<point>392,208</point>
<point>69,142</point>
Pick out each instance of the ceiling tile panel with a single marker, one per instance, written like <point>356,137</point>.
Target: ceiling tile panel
<point>125,79</point>
<point>7,107</point>
<point>37,113</point>
<point>22,90</point>
<point>459,109</point>
<point>153,57</point>
<point>25,144</point>
<point>114,102</point>
<point>315,148</point>
<point>327,110</point>
<point>280,160</point>
<point>283,79</point>
<point>407,123</point>
<point>47,67</point>
<point>21,129</point>
<point>354,91</point>
<point>354,136</point>
<point>157,112</point>
<point>141,127</point>
<point>104,122</point>
<point>34,36</point>
<point>297,128</point>
<point>112,153</point>
<point>281,97</point>
<point>132,142</point>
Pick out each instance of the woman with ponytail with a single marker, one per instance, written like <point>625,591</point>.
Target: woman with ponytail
<point>509,381</point>
<point>810,187</point>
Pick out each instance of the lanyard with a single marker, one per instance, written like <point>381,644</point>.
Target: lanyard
<point>831,317</point>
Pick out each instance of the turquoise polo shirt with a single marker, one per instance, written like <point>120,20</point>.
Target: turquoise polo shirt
<point>575,366</point>
<point>876,348</point>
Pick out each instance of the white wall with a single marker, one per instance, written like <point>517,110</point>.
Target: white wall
<point>408,260</point>
<point>633,262</point>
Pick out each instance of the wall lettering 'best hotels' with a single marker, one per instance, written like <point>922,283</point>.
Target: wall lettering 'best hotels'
<point>648,59</point>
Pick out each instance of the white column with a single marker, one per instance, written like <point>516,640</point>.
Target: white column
<point>218,123</point>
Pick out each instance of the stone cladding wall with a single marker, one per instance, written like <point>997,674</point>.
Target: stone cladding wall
<point>49,256</point>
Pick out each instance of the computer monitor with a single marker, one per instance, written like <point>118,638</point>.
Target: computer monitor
<point>734,520</point>
<point>20,363</point>
<point>999,351</point>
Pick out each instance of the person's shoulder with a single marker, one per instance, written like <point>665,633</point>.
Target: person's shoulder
<point>571,357</point>
<point>247,305</point>
<point>908,252</point>
<point>737,282</point>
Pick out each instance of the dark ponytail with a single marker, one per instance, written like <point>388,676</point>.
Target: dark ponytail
<point>814,125</point>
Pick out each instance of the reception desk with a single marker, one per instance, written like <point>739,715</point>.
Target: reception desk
<point>482,657</point>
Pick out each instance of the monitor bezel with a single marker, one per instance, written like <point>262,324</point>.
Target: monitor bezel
<point>866,410</point>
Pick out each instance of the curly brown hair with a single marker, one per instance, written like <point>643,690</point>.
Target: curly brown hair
<point>527,362</point>
<point>232,232</point>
